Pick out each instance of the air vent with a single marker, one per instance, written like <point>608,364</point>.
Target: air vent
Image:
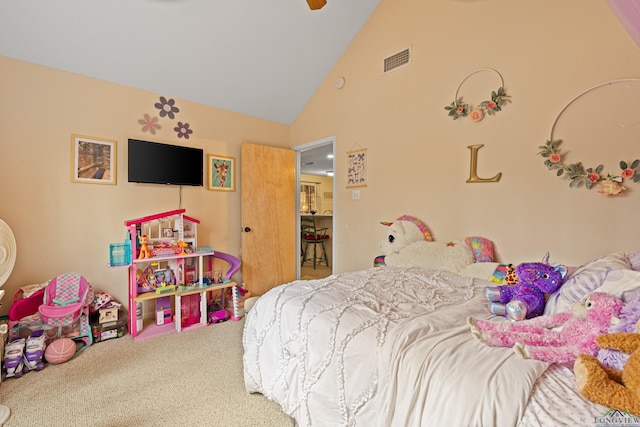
<point>397,60</point>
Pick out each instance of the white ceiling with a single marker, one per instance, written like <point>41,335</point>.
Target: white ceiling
<point>257,57</point>
<point>316,160</point>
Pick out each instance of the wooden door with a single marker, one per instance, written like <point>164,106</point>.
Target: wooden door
<point>268,217</point>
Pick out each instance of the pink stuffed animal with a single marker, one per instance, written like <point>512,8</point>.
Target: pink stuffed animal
<point>534,339</point>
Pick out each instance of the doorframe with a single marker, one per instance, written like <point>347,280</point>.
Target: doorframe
<point>298,149</point>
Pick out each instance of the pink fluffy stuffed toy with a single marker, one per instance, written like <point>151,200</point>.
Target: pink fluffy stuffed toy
<point>534,338</point>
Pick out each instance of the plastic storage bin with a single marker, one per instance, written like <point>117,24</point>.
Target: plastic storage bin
<point>120,254</point>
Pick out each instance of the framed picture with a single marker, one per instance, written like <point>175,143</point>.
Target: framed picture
<point>222,172</point>
<point>93,160</point>
<point>167,232</point>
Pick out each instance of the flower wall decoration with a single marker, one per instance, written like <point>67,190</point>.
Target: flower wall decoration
<point>499,98</point>
<point>167,107</point>
<point>149,124</point>
<point>183,130</point>
<point>608,185</point>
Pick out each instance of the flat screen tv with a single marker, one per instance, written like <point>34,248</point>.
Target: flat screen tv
<point>156,163</point>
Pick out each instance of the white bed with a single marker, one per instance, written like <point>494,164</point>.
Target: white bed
<point>390,347</point>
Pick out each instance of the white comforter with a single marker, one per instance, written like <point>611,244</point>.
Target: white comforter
<point>437,374</point>
<point>369,348</point>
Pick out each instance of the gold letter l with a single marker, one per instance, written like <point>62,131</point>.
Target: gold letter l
<point>473,169</point>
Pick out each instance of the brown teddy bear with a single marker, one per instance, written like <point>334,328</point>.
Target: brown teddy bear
<point>616,389</point>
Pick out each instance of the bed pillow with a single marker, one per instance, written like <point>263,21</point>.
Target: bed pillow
<point>621,283</point>
<point>634,260</point>
<point>584,280</point>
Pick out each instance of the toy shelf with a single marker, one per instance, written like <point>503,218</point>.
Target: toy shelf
<point>153,330</point>
<point>170,257</point>
<point>205,288</point>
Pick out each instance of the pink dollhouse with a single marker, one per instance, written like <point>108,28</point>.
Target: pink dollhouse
<point>168,269</point>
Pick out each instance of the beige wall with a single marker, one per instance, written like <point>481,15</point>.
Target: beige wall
<point>548,52</point>
<point>62,226</point>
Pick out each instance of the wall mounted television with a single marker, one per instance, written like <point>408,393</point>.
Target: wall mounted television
<point>156,163</point>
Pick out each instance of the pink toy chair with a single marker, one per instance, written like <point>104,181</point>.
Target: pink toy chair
<point>66,301</point>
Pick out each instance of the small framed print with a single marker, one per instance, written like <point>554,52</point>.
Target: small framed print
<point>167,232</point>
<point>93,160</point>
<point>357,168</point>
<point>222,172</point>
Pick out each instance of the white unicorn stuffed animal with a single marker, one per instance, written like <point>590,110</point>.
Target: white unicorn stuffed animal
<point>409,243</point>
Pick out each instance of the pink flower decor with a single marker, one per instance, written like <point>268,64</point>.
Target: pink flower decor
<point>149,124</point>
<point>628,173</point>
<point>461,109</point>
<point>593,177</point>
<point>476,115</point>
<point>578,174</point>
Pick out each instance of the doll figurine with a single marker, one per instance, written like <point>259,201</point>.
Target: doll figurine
<point>144,250</point>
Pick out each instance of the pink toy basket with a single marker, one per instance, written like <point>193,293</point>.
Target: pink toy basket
<point>66,298</point>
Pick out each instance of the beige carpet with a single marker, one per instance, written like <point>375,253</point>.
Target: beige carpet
<point>193,378</point>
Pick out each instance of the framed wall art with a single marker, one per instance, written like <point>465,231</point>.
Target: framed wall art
<point>93,160</point>
<point>357,168</point>
<point>222,172</point>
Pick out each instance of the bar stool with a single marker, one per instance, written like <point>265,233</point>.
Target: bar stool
<point>312,235</point>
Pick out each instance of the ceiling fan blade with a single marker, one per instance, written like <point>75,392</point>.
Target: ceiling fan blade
<point>316,4</point>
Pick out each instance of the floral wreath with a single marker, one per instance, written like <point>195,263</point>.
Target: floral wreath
<point>608,185</point>
<point>461,109</point>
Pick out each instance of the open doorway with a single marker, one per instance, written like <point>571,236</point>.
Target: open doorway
<point>315,165</point>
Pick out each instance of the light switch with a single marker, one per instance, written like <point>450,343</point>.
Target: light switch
<point>355,194</point>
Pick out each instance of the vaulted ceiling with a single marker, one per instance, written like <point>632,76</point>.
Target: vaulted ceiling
<point>256,57</point>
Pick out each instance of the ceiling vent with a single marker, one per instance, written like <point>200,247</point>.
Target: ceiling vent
<point>397,60</point>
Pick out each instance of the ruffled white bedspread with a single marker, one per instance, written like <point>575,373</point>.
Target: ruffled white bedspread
<point>434,373</point>
<point>370,349</point>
